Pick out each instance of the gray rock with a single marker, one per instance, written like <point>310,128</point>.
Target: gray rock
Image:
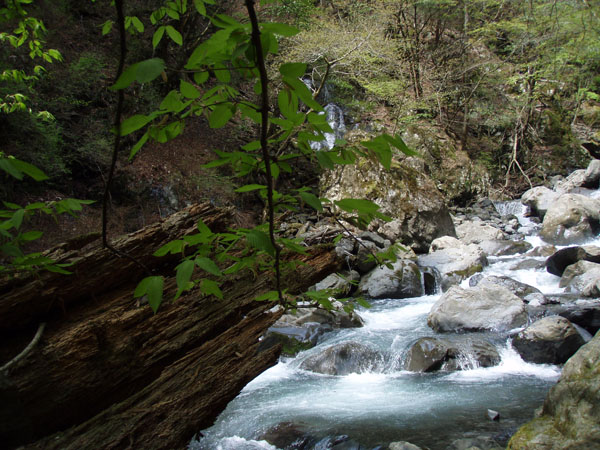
<point>521,290</point>
<point>405,194</point>
<point>550,340</point>
<point>477,443</point>
<point>344,359</point>
<point>570,417</point>
<point>582,277</point>
<point>335,319</point>
<point>575,180</point>
<point>455,264</point>
<point>373,237</point>
<point>364,257</point>
<point>560,260</point>
<point>502,247</point>
<point>487,307</point>
<point>339,285</point>
<point>430,354</point>
<point>538,200</point>
<point>592,174</point>
<point>492,415</point>
<point>403,445</point>
<point>473,232</point>
<point>543,250</point>
<point>444,242</point>
<point>571,219</point>
<point>403,280</point>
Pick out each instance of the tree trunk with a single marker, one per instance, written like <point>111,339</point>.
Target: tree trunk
<point>112,374</point>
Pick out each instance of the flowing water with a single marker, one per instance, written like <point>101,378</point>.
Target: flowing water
<point>389,404</point>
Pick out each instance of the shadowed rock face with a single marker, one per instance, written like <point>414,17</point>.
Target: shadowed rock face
<point>408,196</point>
<point>571,219</point>
<point>570,417</point>
<point>344,359</point>
<point>550,340</point>
<point>487,307</point>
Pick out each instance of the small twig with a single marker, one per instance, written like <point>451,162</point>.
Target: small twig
<point>27,350</point>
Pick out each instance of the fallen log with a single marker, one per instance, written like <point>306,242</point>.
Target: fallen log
<point>108,373</point>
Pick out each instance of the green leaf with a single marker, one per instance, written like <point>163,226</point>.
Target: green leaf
<point>57,269</point>
<point>183,276</point>
<point>134,123</point>
<point>201,77</point>
<point>271,296</point>
<point>208,265</point>
<point>382,150</point>
<point>17,219</point>
<point>325,160</point>
<point>261,241</point>
<point>188,90</point>
<point>250,187</point>
<point>149,69</point>
<point>210,287</point>
<point>222,73</point>
<point>138,145</point>
<point>293,70</point>
<point>221,115</point>
<point>199,4</point>
<point>174,35</point>
<point>312,200</point>
<point>281,29</point>
<point>362,302</point>
<point>397,142</point>
<point>172,102</point>
<point>106,27</point>
<point>7,165</point>
<point>172,247</point>
<point>142,72</point>
<point>357,205</point>
<point>158,35</point>
<point>137,23</point>
<point>303,92</point>
<point>29,169</point>
<point>152,287</point>
<point>31,236</point>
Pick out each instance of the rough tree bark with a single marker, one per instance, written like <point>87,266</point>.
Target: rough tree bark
<point>107,373</point>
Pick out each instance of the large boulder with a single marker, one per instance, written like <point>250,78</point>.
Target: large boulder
<point>407,195</point>
<point>475,231</point>
<point>455,263</point>
<point>339,285</point>
<point>401,281</point>
<point>592,174</point>
<point>344,359</point>
<point>560,260</point>
<point>521,290</point>
<point>571,183</point>
<point>582,277</point>
<point>538,200</point>
<point>570,416</point>
<point>337,318</point>
<point>550,340</point>
<point>430,354</point>
<point>486,307</point>
<point>503,247</point>
<point>571,219</point>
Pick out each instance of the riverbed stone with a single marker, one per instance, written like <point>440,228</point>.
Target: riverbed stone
<point>560,260</point>
<point>572,182</point>
<point>486,307</point>
<point>401,281</point>
<point>476,443</point>
<point>473,232</point>
<point>404,193</point>
<point>582,277</point>
<point>571,219</point>
<point>430,354</point>
<point>455,264</point>
<point>550,340</point>
<point>592,174</point>
<point>521,290</point>
<point>570,416</point>
<point>339,285</point>
<point>344,359</point>
<point>538,200</point>
<point>503,247</point>
<point>403,445</point>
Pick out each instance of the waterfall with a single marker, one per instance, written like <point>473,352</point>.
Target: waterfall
<point>335,119</point>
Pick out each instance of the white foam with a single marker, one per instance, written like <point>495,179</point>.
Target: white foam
<point>511,364</point>
<point>401,318</point>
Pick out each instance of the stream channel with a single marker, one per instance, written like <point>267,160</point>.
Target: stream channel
<point>389,404</point>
